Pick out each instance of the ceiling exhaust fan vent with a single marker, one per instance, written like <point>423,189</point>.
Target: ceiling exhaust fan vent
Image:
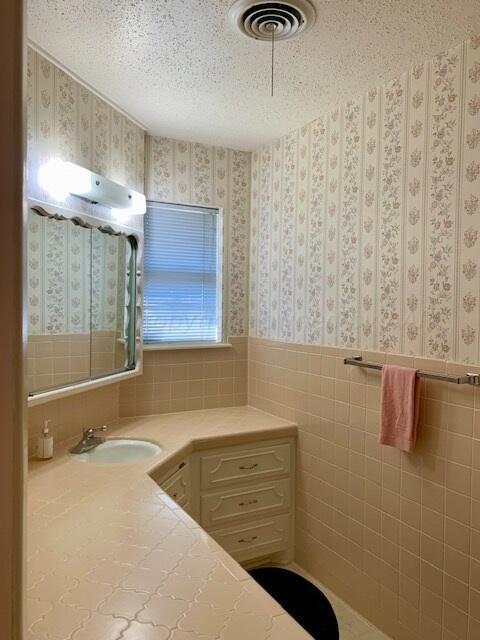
<point>259,19</point>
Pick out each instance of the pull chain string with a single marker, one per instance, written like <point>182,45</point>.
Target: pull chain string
<point>274,26</point>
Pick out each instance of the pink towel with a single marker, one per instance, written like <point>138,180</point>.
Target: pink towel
<point>400,407</point>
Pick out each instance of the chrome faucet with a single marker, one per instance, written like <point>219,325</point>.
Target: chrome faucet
<point>89,440</point>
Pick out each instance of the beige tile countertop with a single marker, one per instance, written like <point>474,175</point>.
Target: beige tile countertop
<point>112,557</point>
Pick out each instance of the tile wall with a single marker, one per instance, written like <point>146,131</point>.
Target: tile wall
<point>187,379</point>
<point>55,359</point>
<point>396,535</point>
<point>72,414</point>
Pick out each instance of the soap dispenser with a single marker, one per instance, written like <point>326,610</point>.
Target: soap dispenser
<point>45,442</point>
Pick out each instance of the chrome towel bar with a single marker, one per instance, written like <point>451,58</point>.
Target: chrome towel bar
<point>467,378</point>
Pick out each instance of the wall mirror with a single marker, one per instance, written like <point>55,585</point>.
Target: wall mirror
<point>82,299</point>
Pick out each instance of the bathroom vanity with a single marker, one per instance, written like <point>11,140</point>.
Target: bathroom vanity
<point>156,542</point>
<point>242,495</point>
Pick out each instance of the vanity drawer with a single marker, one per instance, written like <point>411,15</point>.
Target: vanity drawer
<point>177,484</point>
<point>239,464</point>
<point>220,509</point>
<point>257,539</point>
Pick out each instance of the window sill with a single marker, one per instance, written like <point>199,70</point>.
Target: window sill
<point>186,345</point>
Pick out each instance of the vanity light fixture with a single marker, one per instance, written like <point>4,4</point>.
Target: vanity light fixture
<point>60,179</point>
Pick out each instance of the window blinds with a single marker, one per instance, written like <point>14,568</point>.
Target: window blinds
<point>182,274</point>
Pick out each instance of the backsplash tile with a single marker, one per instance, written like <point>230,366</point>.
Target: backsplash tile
<point>72,414</point>
<point>187,379</point>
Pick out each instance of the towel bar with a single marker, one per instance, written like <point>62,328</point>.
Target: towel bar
<point>468,378</point>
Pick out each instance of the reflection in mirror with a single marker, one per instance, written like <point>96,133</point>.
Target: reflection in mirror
<point>112,271</point>
<point>59,302</point>
<point>81,284</point>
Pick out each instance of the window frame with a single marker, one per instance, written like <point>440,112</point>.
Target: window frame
<point>221,297</point>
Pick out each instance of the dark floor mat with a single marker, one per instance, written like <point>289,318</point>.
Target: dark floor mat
<point>302,599</point>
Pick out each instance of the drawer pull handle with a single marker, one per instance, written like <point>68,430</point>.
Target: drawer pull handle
<point>252,466</point>
<point>248,502</point>
<point>247,540</point>
<point>174,495</point>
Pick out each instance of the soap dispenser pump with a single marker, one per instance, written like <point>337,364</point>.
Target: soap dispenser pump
<point>45,442</point>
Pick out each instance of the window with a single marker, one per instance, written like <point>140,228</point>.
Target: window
<point>183,269</point>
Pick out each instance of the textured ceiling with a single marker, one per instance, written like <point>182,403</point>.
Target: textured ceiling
<point>179,68</point>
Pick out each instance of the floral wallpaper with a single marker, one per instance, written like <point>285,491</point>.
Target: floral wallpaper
<point>67,121</point>
<point>108,278</point>
<point>71,271</point>
<point>58,289</point>
<point>365,224</point>
<point>178,171</point>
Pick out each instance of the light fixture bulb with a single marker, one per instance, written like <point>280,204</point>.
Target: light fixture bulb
<point>60,179</point>
<point>53,178</point>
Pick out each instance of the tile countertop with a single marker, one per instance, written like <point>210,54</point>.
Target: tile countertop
<point>111,556</point>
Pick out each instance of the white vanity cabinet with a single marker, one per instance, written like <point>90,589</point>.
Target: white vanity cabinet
<point>246,498</point>
<point>243,495</point>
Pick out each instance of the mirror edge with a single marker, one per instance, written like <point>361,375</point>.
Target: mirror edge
<point>131,225</point>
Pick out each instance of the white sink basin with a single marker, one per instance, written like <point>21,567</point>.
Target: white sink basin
<point>119,451</point>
